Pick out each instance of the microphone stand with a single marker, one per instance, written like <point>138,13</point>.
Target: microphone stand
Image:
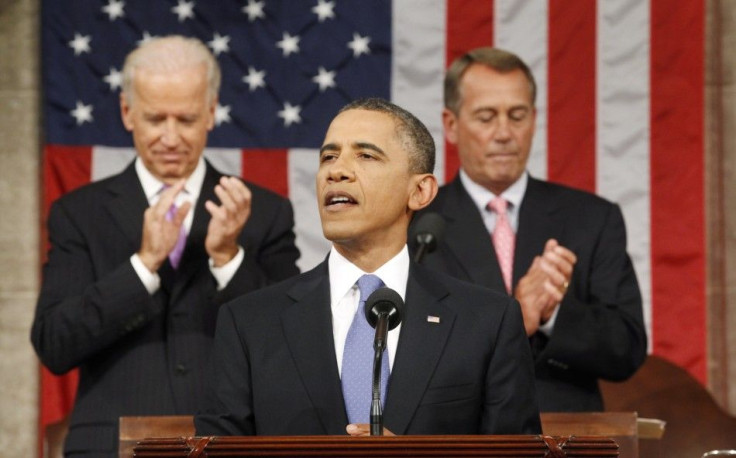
<point>420,252</point>
<point>379,346</point>
<point>426,244</point>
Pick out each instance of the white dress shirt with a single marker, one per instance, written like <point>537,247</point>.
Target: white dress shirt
<point>345,296</point>
<point>481,197</point>
<point>513,195</point>
<point>152,187</point>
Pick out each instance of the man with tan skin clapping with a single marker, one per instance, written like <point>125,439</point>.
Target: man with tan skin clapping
<point>559,251</point>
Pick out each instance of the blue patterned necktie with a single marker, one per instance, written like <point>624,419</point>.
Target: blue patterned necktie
<point>357,359</point>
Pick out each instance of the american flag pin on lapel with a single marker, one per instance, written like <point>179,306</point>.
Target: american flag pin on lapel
<point>433,319</point>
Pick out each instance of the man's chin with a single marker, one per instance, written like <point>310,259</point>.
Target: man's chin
<point>172,172</point>
<point>338,233</point>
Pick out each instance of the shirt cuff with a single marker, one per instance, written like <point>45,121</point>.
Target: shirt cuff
<point>547,327</point>
<point>225,273</point>
<point>151,281</point>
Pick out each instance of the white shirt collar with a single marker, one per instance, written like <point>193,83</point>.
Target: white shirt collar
<point>152,186</point>
<point>344,274</point>
<point>481,196</point>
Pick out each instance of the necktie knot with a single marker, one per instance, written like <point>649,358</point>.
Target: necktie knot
<point>367,284</point>
<point>499,205</point>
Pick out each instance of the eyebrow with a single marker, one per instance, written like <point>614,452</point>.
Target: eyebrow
<point>370,146</point>
<point>494,109</point>
<point>328,147</point>
<point>356,145</point>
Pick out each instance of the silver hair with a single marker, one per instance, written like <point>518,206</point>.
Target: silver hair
<point>167,54</point>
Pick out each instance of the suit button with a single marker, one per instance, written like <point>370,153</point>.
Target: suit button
<point>181,369</point>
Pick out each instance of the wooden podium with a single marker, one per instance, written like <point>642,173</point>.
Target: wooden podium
<point>414,446</point>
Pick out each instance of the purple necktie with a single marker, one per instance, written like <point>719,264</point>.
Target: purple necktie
<point>357,359</point>
<point>178,250</point>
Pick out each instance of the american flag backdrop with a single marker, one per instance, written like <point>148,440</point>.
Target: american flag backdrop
<point>620,110</point>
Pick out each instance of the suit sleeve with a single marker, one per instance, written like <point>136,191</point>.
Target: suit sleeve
<point>228,409</point>
<point>510,395</point>
<point>600,326</point>
<point>79,314</point>
<point>270,250</point>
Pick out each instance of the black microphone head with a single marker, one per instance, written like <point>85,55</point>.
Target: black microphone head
<point>428,230</point>
<point>384,300</point>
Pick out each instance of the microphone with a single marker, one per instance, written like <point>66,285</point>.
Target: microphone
<point>384,310</point>
<point>427,233</point>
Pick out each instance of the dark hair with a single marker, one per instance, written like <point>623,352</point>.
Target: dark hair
<point>494,58</point>
<point>414,135</point>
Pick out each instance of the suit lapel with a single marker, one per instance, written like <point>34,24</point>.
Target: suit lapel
<point>308,332</point>
<point>195,256</point>
<point>537,224</point>
<point>198,231</point>
<point>421,344</point>
<point>468,239</point>
<point>127,204</point>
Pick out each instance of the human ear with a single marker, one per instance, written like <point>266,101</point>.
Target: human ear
<point>211,113</point>
<point>449,122</point>
<point>424,189</point>
<point>125,112</point>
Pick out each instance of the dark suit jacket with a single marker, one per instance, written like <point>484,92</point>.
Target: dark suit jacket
<point>599,331</point>
<point>275,371</point>
<point>140,354</point>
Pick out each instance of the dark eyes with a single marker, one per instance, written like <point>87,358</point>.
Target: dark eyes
<point>326,157</point>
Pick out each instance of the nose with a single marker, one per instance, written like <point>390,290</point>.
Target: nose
<point>170,135</point>
<point>341,169</point>
<point>502,133</point>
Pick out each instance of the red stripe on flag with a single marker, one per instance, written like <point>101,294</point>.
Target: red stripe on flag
<point>268,168</point>
<point>64,168</point>
<point>469,25</point>
<point>677,195</point>
<point>572,93</point>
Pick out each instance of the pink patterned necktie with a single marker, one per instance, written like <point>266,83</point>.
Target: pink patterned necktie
<point>504,240</point>
<point>178,250</point>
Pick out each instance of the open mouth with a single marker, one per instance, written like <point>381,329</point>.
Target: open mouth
<point>339,199</point>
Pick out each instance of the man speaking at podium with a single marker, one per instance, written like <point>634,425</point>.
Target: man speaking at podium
<point>284,358</point>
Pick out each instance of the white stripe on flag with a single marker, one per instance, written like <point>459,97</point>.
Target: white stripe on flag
<point>623,120</point>
<point>227,160</point>
<point>417,67</point>
<point>107,161</point>
<point>521,27</point>
<point>302,170</point>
